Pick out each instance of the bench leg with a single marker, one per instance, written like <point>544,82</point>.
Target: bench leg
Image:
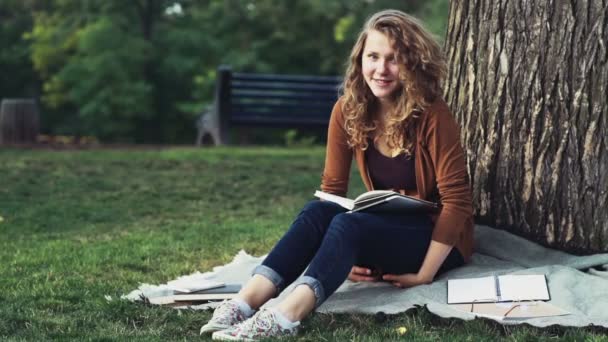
<point>207,126</point>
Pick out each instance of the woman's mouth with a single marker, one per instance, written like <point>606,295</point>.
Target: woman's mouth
<point>382,83</point>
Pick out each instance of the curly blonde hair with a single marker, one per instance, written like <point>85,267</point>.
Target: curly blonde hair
<point>422,69</point>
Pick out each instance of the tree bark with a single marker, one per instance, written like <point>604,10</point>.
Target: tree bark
<point>19,121</point>
<point>528,83</point>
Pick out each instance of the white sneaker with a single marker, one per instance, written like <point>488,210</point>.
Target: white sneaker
<point>262,325</point>
<point>226,315</point>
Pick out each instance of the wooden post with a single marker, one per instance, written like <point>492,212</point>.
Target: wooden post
<point>222,104</point>
<point>19,121</point>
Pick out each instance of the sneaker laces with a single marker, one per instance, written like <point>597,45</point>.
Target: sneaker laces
<point>226,310</point>
<point>261,322</point>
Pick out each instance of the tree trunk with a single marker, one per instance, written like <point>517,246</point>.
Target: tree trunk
<point>19,121</point>
<point>528,83</point>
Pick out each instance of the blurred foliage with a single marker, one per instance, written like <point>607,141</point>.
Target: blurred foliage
<point>141,71</point>
<point>17,75</point>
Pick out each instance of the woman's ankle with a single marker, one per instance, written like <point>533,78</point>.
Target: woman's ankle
<point>300,302</point>
<point>244,307</point>
<point>257,291</point>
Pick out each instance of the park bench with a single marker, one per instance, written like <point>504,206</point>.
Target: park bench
<point>266,100</point>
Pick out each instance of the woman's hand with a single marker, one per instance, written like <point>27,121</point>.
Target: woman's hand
<point>435,256</point>
<point>362,274</point>
<point>407,279</point>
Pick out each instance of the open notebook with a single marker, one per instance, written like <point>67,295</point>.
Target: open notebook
<point>505,288</point>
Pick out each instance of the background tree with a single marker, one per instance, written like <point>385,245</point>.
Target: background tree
<point>141,71</point>
<point>17,75</point>
<point>528,83</point>
<point>97,59</point>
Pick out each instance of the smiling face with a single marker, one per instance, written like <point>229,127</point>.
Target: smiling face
<point>379,66</point>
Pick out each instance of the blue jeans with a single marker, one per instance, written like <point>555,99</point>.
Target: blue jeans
<point>330,242</point>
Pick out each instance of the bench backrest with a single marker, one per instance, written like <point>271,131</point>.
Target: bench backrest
<point>275,100</point>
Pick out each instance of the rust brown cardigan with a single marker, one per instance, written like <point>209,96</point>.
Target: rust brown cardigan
<point>441,173</point>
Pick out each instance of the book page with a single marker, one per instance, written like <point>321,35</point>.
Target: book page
<point>342,201</point>
<point>373,194</point>
<point>472,290</point>
<point>514,287</point>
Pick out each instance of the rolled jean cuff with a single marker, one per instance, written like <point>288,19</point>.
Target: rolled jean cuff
<point>315,286</point>
<point>271,275</point>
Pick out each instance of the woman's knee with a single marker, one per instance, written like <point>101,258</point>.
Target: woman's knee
<point>318,209</point>
<point>313,205</point>
<point>344,224</point>
<point>314,218</point>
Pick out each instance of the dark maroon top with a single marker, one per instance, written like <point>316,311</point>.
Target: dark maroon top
<point>390,173</point>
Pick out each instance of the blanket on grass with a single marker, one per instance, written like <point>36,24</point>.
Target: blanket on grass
<point>578,284</point>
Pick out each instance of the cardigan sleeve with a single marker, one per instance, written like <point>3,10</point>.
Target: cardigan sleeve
<point>338,157</point>
<point>446,152</point>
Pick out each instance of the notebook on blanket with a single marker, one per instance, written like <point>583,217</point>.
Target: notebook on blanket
<point>504,288</point>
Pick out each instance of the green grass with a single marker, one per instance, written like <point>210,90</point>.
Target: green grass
<point>79,225</point>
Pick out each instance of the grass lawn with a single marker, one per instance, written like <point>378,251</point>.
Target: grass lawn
<point>76,226</point>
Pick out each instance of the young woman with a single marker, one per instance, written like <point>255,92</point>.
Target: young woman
<point>395,124</point>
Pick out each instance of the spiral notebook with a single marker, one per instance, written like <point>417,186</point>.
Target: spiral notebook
<point>504,288</point>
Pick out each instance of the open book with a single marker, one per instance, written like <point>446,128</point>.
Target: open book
<point>381,201</point>
<point>505,288</point>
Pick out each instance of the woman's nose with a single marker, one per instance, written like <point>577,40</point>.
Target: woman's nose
<point>382,66</point>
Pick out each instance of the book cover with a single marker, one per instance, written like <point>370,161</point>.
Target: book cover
<point>190,284</point>
<point>179,298</point>
<point>190,299</point>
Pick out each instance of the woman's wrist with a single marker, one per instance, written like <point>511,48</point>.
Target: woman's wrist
<point>425,277</point>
